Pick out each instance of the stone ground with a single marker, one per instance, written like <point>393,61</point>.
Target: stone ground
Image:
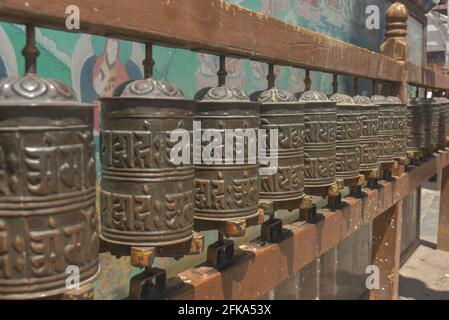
<point>425,276</point>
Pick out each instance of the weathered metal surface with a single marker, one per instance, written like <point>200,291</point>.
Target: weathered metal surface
<point>415,127</point>
<point>47,188</point>
<point>369,140</point>
<point>442,121</point>
<point>399,127</point>
<point>427,122</point>
<point>435,122</point>
<point>146,195</point>
<point>280,110</point>
<point>227,190</point>
<point>347,137</point>
<point>386,125</point>
<point>267,266</point>
<point>320,118</point>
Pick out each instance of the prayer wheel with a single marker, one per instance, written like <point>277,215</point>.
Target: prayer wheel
<point>435,110</point>
<point>48,221</point>
<point>320,118</point>
<point>415,127</point>
<point>147,183</point>
<point>442,103</point>
<point>279,110</point>
<point>427,112</point>
<point>399,126</point>
<point>347,137</point>
<point>369,141</point>
<point>226,169</point>
<point>386,125</point>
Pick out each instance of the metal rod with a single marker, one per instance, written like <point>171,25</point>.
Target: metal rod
<point>417,92</point>
<point>222,73</point>
<point>271,77</point>
<point>307,81</point>
<point>335,83</point>
<point>30,51</point>
<point>148,63</point>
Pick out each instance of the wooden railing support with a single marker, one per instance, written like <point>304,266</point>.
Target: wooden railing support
<point>443,221</point>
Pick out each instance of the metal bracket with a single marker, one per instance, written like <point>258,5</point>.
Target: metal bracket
<point>220,253</point>
<point>149,283</point>
<point>271,230</point>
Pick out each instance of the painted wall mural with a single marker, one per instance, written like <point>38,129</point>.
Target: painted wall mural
<point>94,66</point>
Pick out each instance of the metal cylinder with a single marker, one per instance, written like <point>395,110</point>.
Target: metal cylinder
<point>147,173</point>
<point>442,106</point>
<point>369,140</point>
<point>427,123</point>
<point>227,181</point>
<point>320,118</point>
<point>347,135</point>
<point>386,125</point>
<point>435,111</point>
<point>399,126</point>
<point>47,188</point>
<point>415,127</point>
<point>279,110</point>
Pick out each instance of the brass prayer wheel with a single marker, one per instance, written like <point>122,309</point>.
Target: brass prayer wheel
<point>386,125</point>
<point>428,127</point>
<point>442,104</point>
<point>281,111</point>
<point>320,118</point>
<point>415,127</point>
<point>47,188</point>
<point>227,184</point>
<point>147,174</point>
<point>348,137</point>
<point>399,126</point>
<point>369,141</point>
<point>435,110</point>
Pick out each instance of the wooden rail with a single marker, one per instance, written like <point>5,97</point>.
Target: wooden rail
<point>212,26</point>
<point>258,268</point>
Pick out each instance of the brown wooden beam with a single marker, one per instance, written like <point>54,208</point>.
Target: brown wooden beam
<point>386,252</point>
<point>258,268</point>
<point>212,26</point>
<point>443,223</point>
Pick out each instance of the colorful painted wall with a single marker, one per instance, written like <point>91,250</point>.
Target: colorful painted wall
<point>94,65</point>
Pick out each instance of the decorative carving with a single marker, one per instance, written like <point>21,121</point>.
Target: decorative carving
<point>415,127</point>
<point>227,190</point>
<point>347,137</point>
<point>284,113</point>
<point>369,141</point>
<point>221,94</point>
<point>386,126</point>
<point>320,117</point>
<point>150,88</point>
<point>34,88</point>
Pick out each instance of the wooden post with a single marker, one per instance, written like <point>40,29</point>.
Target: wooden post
<point>386,252</point>
<point>396,46</point>
<point>443,222</point>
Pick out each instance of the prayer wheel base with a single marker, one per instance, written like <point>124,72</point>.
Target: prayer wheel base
<point>308,211</point>
<point>372,178</point>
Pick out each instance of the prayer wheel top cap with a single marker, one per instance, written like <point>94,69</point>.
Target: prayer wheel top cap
<point>393,100</point>
<point>34,90</point>
<point>441,100</point>
<point>150,89</point>
<point>313,96</point>
<point>221,94</point>
<point>378,99</point>
<point>273,95</point>
<point>362,100</point>
<point>341,99</point>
